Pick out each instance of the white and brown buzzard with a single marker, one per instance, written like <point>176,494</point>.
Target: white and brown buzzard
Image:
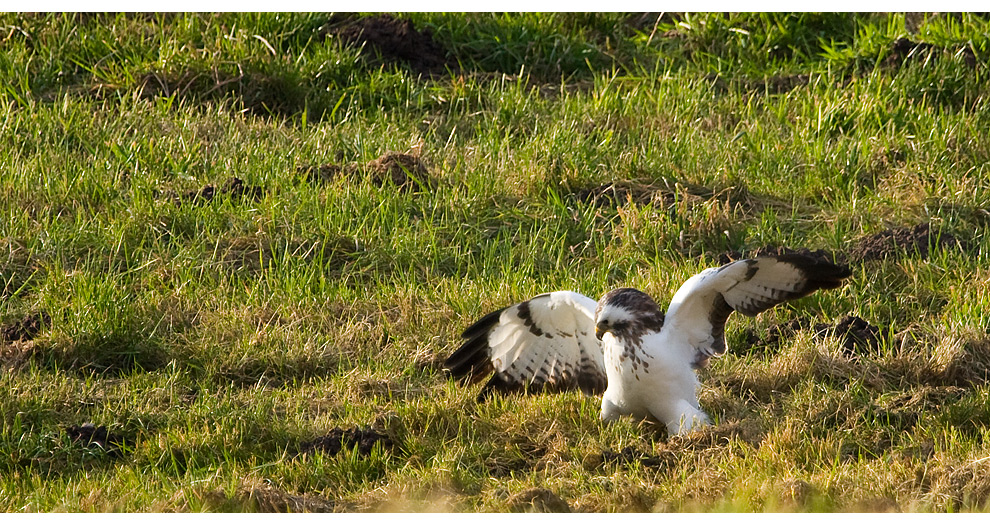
<point>624,346</point>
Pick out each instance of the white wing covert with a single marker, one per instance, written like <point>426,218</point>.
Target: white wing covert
<point>545,343</point>
<point>701,306</point>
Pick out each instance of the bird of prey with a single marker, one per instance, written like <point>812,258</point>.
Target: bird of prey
<point>624,346</point>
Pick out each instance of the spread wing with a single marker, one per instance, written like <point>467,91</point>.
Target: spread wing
<point>545,343</point>
<point>699,309</point>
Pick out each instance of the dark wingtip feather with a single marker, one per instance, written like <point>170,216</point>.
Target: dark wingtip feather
<point>482,325</point>
<point>472,360</point>
<point>821,274</point>
<point>496,385</point>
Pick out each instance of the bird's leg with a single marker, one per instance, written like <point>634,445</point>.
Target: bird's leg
<point>610,412</point>
<point>684,417</point>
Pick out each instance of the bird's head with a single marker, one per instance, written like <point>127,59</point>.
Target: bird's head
<point>625,311</point>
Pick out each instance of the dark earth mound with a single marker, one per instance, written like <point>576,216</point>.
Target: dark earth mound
<point>234,187</point>
<point>391,39</point>
<point>537,500</point>
<point>97,437</point>
<point>920,239</point>
<point>403,170</point>
<point>904,50</point>
<point>858,336</point>
<point>337,439</point>
<point>26,328</point>
<point>257,92</point>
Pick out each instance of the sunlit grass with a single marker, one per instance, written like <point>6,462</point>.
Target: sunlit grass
<point>564,151</point>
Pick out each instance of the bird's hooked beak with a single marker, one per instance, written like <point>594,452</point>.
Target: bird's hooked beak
<point>600,329</point>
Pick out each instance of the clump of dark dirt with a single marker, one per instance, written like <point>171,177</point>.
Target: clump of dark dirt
<point>920,239</point>
<point>338,439</point>
<point>537,500</point>
<point>390,38</point>
<point>97,437</point>
<point>322,173</point>
<point>25,328</point>
<point>629,456</point>
<point>259,93</point>
<point>234,187</point>
<point>904,49</point>
<point>769,251</point>
<point>858,337</point>
<point>403,170</point>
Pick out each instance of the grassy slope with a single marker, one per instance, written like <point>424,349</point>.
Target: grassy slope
<point>220,337</point>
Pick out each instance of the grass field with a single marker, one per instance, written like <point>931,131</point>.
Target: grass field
<point>230,243</point>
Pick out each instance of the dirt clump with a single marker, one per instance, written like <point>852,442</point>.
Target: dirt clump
<point>234,187</point>
<point>97,437</point>
<point>537,500</point>
<point>405,171</point>
<point>905,49</point>
<point>920,239</point>
<point>391,39</point>
<point>857,336</point>
<point>25,328</point>
<point>364,439</point>
<point>402,169</point>
<point>257,92</point>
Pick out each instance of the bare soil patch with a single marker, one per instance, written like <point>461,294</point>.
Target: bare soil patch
<point>858,336</point>
<point>97,437</point>
<point>363,439</point>
<point>390,39</point>
<point>234,188</point>
<point>904,50</point>
<point>404,171</point>
<point>260,93</point>
<point>920,239</point>
<point>25,328</point>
